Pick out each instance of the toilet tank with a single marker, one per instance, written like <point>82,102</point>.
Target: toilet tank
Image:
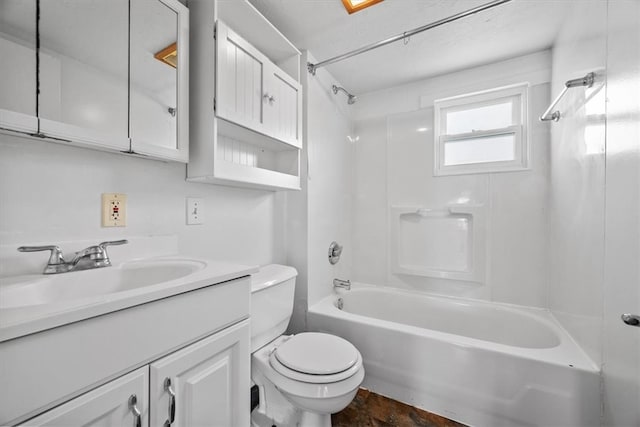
<point>272,290</point>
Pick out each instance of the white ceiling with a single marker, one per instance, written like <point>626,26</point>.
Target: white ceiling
<point>326,30</point>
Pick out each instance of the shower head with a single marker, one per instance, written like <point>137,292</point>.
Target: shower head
<point>351,99</point>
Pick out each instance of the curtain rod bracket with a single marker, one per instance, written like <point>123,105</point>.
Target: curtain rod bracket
<point>311,68</point>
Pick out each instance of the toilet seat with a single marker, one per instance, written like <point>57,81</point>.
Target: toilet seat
<point>316,358</point>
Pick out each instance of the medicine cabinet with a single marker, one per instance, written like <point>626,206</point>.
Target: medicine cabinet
<point>18,65</point>
<point>95,78</point>
<point>248,127</point>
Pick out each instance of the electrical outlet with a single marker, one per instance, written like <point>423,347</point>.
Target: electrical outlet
<point>195,211</point>
<point>114,210</point>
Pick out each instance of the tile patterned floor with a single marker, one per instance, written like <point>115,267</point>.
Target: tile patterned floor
<point>373,410</point>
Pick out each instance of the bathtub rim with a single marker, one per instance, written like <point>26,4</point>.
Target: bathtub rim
<point>567,353</point>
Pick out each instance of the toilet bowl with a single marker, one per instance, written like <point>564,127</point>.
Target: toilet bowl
<point>302,378</point>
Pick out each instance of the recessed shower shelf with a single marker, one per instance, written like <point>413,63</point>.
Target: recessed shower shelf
<point>444,242</point>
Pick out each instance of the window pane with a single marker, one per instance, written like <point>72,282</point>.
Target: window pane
<point>499,148</point>
<point>487,117</point>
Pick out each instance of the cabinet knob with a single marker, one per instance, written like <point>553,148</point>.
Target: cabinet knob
<point>269,98</point>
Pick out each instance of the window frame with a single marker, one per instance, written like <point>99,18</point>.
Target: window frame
<point>469,101</point>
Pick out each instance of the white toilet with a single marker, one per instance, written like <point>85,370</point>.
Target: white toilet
<point>303,378</point>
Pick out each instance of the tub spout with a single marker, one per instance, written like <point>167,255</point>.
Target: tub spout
<point>344,284</point>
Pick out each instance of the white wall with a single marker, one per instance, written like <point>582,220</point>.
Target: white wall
<point>329,182</point>
<point>321,213</point>
<point>394,166</point>
<point>52,193</point>
<point>621,343</point>
<point>576,249</point>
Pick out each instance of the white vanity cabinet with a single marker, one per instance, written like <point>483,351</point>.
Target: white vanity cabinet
<point>208,380</point>
<point>84,372</point>
<point>203,384</point>
<point>112,404</point>
<point>246,99</point>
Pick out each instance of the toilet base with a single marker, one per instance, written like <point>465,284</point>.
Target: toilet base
<point>309,419</point>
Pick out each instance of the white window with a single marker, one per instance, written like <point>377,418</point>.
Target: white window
<point>482,132</point>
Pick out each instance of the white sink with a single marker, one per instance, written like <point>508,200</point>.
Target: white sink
<point>33,290</point>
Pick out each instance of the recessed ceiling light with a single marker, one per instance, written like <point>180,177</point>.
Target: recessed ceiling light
<point>356,5</point>
<point>422,129</point>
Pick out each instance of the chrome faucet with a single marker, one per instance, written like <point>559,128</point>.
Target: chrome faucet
<point>86,259</point>
<point>344,284</point>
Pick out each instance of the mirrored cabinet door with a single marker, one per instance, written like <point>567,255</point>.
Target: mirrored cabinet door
<point>83,72</point>
<point>18,65</point>
<point>159,69</point>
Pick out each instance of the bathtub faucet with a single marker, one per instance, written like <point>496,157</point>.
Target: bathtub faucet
<point>344,284</point>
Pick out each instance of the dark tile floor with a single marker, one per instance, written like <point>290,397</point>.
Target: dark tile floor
<point>373,410</point>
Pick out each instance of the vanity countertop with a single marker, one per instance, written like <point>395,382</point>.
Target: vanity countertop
<point>23,320</point>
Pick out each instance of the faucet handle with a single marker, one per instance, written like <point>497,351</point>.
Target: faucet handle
<point>102,250</point>
<point>113,243</point>
<point>55,258</point>
<point>335,250</point>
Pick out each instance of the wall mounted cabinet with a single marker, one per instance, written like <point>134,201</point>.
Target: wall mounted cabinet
<point>83,72</point>
<point>253,92</point>
<point>247,123</point>
<point>159,91</point>
<point>94,81</point>
<point>18,66</point>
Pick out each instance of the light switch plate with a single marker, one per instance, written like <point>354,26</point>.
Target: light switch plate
<point>195,211</point>
<point>114,210</point>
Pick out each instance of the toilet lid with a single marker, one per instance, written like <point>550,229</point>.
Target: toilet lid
<point>317,353</point>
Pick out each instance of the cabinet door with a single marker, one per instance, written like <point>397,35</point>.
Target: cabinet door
<point>18,65</point>
<point>240,96</point>
<point>83,72</point>
<point>107,405</point>
<point>283,113</point>
<point>209,379</point>
<point>159,122</point>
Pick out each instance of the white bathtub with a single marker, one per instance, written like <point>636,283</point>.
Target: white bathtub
<point>482,364</point>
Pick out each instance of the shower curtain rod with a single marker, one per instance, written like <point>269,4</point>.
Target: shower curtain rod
<point>313,67</point>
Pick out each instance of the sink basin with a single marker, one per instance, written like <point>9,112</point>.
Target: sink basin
<point>30,290</point>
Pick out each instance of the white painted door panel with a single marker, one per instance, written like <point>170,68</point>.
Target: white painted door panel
<point>84,89</point>
<point>158,93</point>
<point>107,405</point>
<point>239,80</point>
<point>18,70</point>
<point>283,112</point>
<point>210,379</point>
